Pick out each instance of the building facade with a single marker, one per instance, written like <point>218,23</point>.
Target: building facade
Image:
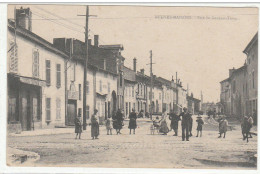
<point>31,103</point>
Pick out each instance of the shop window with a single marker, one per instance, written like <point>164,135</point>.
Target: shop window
<point>48,72</point>
<point>36,115</point>
<point>48,109</point>
<point>58,75</point>
<point>35,68</point>
<point>12,116</point>
<point>58,109</point>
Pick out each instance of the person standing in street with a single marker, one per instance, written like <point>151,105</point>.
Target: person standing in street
<point>164,127</point>
<point>185,123</point>
<point>94,125</point>
<point>118,121</point>
<point>251,122</point>
<point>190,126</point>
<point>174,122</point>
<point>223,123</point>
<point>199,127</point>
<point>109,125</point>
<point>132,121</point>
<point>78,126</point>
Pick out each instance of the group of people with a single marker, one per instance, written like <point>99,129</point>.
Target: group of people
<point>186,123</point>
<point>114,122</point>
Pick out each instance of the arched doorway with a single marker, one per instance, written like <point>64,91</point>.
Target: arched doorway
<point>113,102</point>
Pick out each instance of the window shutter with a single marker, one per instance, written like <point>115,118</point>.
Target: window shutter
<point>13,57</point>
<point>58,82</point>
<point>48,72</point>
<point>48,109</point>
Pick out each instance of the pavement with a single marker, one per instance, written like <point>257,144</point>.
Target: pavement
<point>58,147</point>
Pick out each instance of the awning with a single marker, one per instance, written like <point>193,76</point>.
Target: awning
<point>101,95</point>
<point>31,81</point>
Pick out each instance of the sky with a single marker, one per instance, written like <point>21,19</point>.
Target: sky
<point>200,43</point>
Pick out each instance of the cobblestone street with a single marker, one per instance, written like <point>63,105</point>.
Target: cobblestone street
<point>141,149</point>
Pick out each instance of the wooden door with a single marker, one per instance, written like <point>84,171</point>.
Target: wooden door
<point>24,113</point>
<point>72,112</point>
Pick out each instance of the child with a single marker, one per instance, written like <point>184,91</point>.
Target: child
<point>199,127</point>
<point>156,124</point>
<point>109,125</point>
<point>78,126</point>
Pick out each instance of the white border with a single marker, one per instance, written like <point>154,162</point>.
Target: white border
<point>3,92</point>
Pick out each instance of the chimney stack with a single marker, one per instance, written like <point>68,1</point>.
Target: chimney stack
<point>89,41</point>
<point>96,40</point>
<point>24,18</point>
<point>134,64</point>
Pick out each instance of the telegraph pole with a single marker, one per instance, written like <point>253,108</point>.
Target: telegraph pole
<point>85,73</point>
<point>151,88</point>
<point>177,89</point>
<point>85,70</point>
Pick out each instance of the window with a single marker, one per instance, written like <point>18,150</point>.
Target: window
<point>100,86</point>
<point>72,68</point>
<point>12,116</point>
<point>141,90</point>
<point>48,109</point>
<point>125,91</point>
<point>13,57</point>
<point>35,68</point>
<point>58,116</point>
<point>79,91</point>
<point>121,80</point>
<point>87,87</point>
<point>108,87</point>
<point>160,96</point>
<point>105,65</point>
<point>133,92</point>
<point>253,79</point>
<point>58,74</point>
<point>153,95</point>
<point>234,86</point>
<point>87,111</point>
<point>48,72</point>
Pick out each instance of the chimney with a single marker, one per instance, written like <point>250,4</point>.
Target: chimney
<point>231,71</point>
<point>96,40</point>
<point>24,18</point>
<point>142,71</point>
<point>134,64</point>
<point>89,41</point>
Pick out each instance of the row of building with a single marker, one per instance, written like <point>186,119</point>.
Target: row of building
<point>238,95</point>
<point>45,81</point>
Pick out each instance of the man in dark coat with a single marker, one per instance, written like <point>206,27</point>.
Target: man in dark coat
<point>132,121</point>
<point>174,122</point>
<point>185,123</point>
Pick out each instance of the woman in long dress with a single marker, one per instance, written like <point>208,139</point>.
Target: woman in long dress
<point>223,123</point>
<point>78,126</point>
<point>132,121</point>
<point>118,121</point>
<point>164,127</point>
<point>94,125</point>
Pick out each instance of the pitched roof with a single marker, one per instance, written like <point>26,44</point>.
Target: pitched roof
<point>35,38</point>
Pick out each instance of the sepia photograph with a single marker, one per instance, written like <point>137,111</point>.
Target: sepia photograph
<point>132,86</point>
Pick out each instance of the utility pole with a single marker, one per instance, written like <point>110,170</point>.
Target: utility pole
<point>177,89</point>
<point>85,70</point>
<point>151,88</point>
<point>85,73</point>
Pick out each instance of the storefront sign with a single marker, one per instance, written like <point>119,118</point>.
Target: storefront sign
<point>73,95</point>
<point>32,81</point>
